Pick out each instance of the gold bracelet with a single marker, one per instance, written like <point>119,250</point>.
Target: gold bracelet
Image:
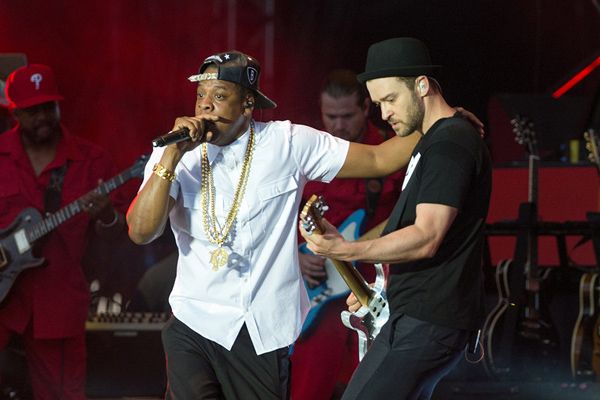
<point>163,172</point>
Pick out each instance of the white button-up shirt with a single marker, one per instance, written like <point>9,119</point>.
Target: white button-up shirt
<point>262,284</point>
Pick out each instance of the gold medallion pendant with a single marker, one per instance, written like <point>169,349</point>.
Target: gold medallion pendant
<point>218,234</point>
<point>218,258</point>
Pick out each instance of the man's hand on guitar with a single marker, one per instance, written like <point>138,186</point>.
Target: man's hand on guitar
<point>98,206</point>
<point>329,243</point>
<point>352,302</point>
<point>312,268</point>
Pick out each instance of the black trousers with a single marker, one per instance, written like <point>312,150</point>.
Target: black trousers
<point>406,360</point>
<point>198,368</point>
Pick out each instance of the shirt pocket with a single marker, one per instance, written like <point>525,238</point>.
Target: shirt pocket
<point>192,204</point>
<point>275,198</point>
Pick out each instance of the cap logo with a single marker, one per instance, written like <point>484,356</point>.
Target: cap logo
<point>36,79</point>
<point>252,74</point>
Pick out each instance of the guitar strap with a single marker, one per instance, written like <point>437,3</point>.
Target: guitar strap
<point>398,210</point>
<point>374,186</point>
<point>52,195</point>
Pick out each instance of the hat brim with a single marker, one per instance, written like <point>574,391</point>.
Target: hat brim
<point>263,101</point>
<point>34,101</point>
<point>401,71</point>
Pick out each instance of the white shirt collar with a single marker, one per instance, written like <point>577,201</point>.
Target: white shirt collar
<point>234,151</point>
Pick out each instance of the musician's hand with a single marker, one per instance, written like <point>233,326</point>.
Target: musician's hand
<point>98,206</point>
<point>473,119</point>
<point>312,268</point>
<point>352,302</point>
<point>329,244</point>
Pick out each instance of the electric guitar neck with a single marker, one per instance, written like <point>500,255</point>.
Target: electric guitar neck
<point>18,239</point>
<point>374,311</point>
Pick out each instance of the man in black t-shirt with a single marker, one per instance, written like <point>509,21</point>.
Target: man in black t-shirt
<point>433,240</point>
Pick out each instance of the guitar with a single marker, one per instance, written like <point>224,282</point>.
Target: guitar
<point>582,340</point>
<point>591,144</point>
<point>585,342</point>
<point>334,286</point>
<point>596,353</point>
<point>516,325</point>
<point>17,240</point>
<point>492,362</point>
<point>374,311</point>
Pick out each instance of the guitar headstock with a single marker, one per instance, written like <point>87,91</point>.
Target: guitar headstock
<point>525,134</point>
<point>137,169</point>
<point>591,144</point>
<point>312,214</point>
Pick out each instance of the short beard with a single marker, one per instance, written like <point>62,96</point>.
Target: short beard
<point>32,136</point>
<point>416,114</point>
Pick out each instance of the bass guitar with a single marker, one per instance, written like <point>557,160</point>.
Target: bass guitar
<point>17,240</point>
<point>585,342</point>
<point>374,311</point>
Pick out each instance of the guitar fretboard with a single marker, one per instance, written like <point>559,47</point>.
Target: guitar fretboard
<point>534,162</point>
<point>52,221</point>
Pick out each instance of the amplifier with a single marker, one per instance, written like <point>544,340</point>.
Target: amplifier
<point>127,321</point>
<point>125,355</point>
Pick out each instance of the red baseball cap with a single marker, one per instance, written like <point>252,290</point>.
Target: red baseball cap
<point>31,85</point>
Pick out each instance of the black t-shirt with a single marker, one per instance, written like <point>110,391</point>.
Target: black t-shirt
<point>454,169</point>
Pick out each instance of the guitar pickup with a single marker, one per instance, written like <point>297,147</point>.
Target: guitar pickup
<point>21,241</point>
<point>377,305</point>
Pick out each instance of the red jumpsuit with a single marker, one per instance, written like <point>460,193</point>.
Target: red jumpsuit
<point>48,305</point>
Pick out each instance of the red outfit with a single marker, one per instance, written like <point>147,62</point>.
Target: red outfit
<point>49,304</point>
<point>324,359</point>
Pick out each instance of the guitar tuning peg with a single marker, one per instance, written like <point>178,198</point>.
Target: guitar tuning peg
<point>307,226</point>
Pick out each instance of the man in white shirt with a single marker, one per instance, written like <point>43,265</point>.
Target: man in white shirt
<point>232,196</point>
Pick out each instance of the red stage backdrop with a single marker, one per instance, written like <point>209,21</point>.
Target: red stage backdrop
<point>122,65</point>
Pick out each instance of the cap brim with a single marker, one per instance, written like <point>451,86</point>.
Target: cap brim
<point>34,101</point>
<point>263,101</point>
<point>402,71</point>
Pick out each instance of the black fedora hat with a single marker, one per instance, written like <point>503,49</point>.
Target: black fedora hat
<point>402,56</point>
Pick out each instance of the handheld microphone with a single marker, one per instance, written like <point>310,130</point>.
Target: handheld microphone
<point>172,137</point>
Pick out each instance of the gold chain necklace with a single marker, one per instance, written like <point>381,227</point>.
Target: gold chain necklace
<point>219,257</point>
